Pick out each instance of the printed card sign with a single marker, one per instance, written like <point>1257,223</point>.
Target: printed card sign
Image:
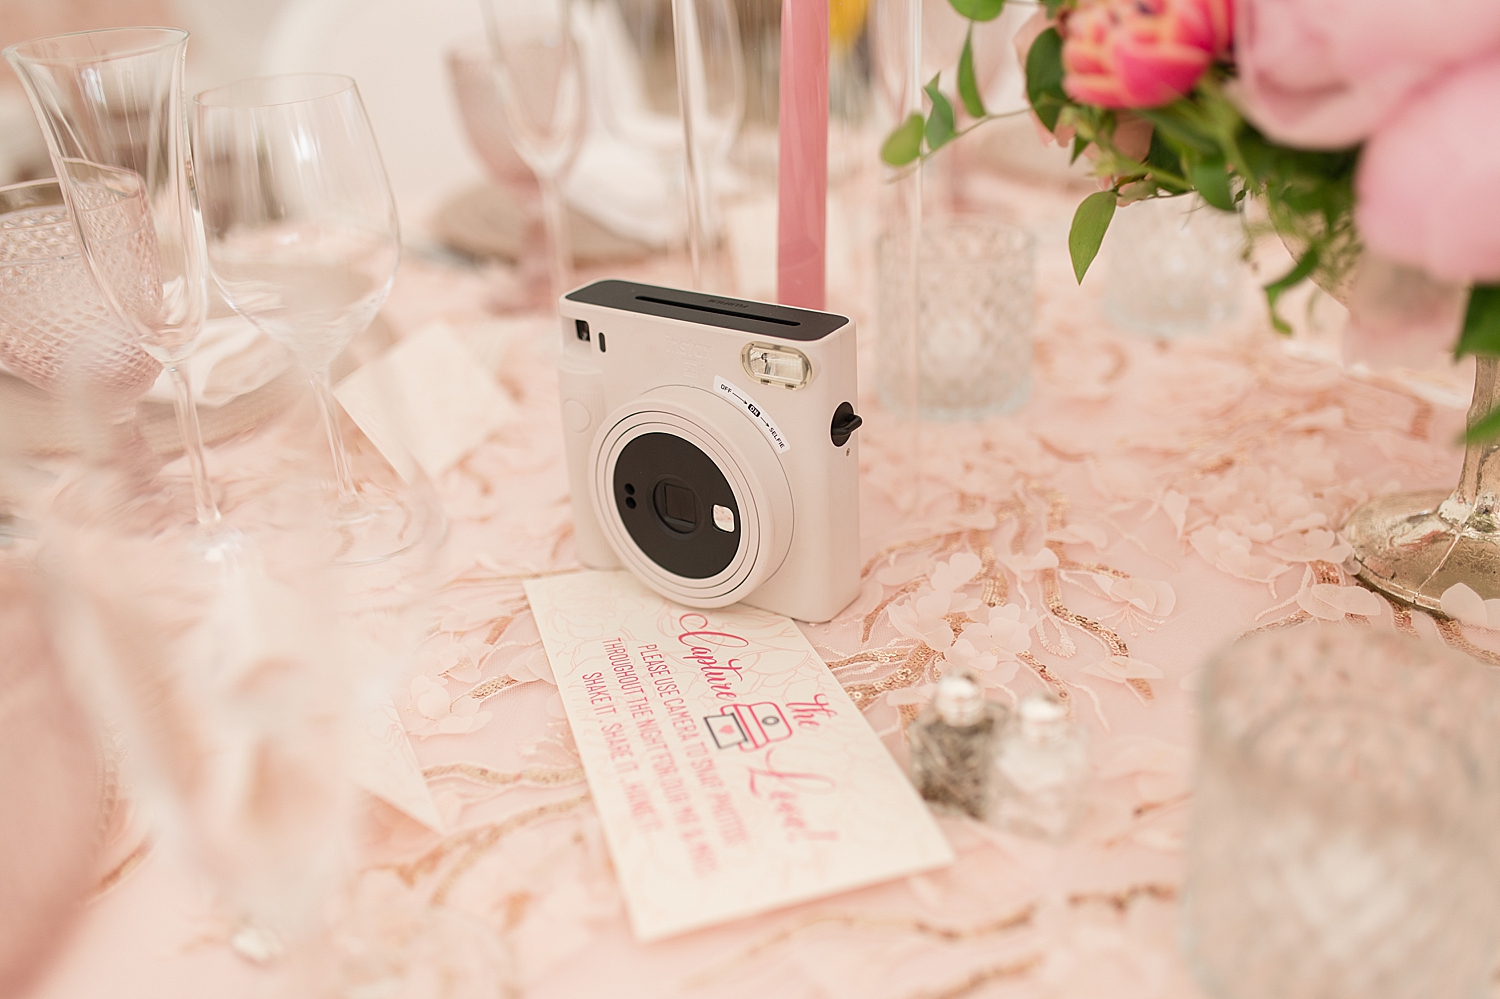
<point>732,773</point>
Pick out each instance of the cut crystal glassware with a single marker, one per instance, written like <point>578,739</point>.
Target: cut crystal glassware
<point>56,331</point>
<point>974,311</point>
<point>1342,842</point>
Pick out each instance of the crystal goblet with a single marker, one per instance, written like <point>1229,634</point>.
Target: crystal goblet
<point>303,241</point>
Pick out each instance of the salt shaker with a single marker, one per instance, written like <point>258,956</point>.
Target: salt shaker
<point>953,746</point>
<point>1041,762</point>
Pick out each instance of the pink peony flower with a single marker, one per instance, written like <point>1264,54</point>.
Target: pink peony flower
<point>1142,53</point>
<point>1428,184</point>
<point>1324,73</point>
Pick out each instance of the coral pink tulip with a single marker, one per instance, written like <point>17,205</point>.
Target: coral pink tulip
<point>1142,53</point>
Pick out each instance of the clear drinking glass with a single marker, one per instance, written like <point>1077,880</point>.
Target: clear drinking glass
<point>1343,826</point>
<point>975,290</point>
<point>303,241</point>
<point>1172,267</point>
<point>110,105</point>
<point>539,74</point>
<point>56,331</point>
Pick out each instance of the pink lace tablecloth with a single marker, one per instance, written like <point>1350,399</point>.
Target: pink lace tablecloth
<point>1150,503</point>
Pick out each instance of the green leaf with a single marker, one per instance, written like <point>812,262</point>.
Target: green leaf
<point>1090,223</point>
<point>904,144</point>
<point>1053,6</point>
<point>940,121</point>
<point>1044,76</point>
<point>1162,155</point>
<point>1287,281</point>
<point>1211,178</point>
<point>978,10</point>
<point>1481,332</point>
<point>1079,145</point>
<point>968,86</point>
<point>1184,124</point>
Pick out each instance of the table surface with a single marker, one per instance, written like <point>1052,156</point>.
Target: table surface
<point>1151,502</point>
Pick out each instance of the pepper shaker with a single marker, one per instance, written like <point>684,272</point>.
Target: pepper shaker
<point>953,745</point>
<point>1041,763</point>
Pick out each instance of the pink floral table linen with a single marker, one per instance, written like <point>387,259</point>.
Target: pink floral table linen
<point>1151,503</point>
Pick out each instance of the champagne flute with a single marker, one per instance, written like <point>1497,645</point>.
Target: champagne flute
<point>303,241</point>
<point>539,74</point>
<point>110,106</point>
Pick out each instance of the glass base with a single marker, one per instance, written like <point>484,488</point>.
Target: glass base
<point>1414,546</point>
<point>382,523</point>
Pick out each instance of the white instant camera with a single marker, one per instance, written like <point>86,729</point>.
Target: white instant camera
<point>711,446</point>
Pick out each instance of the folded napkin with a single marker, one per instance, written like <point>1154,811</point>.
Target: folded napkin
<point>486,220</point>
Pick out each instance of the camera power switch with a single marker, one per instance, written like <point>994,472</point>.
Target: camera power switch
<point>845,422</point>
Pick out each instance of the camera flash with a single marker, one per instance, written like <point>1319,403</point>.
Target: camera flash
<point>724,518</point>
<point>784,366</point>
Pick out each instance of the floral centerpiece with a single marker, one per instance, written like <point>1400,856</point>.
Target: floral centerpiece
<point>1368,129</point>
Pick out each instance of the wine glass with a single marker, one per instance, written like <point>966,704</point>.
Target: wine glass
<point>110,106</point>
<point>471,74</point>
<point>669,75</point>
<point>539,74</point>
<point>303,241</point>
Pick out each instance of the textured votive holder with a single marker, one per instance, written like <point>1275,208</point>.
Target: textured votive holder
<point>975,286</point>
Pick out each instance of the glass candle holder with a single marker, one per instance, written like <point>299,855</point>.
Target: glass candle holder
<point>1343,822</point>
<point>1172,267</point>
<point>975,292</point>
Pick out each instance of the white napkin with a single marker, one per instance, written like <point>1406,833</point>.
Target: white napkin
<point>426,402</point>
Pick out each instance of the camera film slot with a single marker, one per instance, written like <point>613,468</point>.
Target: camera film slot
<point>728,390</point>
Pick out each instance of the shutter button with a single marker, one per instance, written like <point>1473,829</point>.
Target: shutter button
<point>845,422</point>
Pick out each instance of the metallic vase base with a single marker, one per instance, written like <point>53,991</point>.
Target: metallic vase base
<point>1407,550</point>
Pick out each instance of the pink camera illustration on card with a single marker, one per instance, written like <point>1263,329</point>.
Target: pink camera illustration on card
<point>749,726</point>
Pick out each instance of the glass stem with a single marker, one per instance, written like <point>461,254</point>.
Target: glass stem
<point>192,445</point>
<point>328,407</point>
<point>560,247</point>
<point>1479,483</point>
<point>689,50</point>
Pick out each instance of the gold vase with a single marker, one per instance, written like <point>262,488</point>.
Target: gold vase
<point>1414,546</point>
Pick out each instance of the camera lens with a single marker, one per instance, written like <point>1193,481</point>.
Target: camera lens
<point>691,524</point>
<point>677,506</point>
